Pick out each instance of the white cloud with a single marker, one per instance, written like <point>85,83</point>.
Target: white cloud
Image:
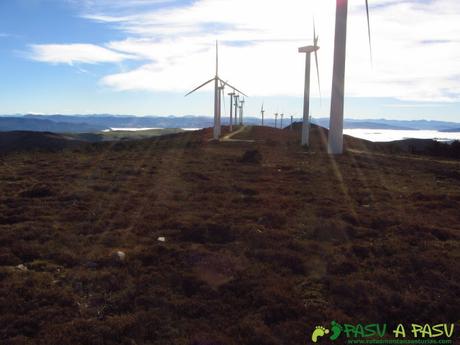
<point>416,50</point>
<point>75,53</point>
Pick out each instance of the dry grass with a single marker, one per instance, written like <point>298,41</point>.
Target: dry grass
<point>260,247</point>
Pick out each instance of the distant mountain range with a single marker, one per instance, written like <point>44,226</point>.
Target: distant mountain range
<point>99,122</point>
<point>47,125</point>
<point>395,124</point>
<point>451,130</point>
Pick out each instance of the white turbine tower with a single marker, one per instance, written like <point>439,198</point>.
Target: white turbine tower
<point>335,140</point>
<point>236,108</point>
<point>242,110</point>
<point>276,120</point>
<point>281,126</point>
<point>292,120</point>
<point>221,89</point>
<point>231,94</point>
<point>262,111</point>
<point>217,89</point>
<point>306,99</point>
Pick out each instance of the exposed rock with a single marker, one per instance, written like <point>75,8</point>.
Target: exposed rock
<point>22,268</point>
<point>121,255</point>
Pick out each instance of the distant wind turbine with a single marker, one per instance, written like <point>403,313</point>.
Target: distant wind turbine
<point>242,110</point>
<point>335,140</point>
<point>292,121</point>
<point>236,97</point>
<point>231,94</point>
<point>306,99</point>
<point>281,126</point>
<point>217,89</point>
<point>262,111</point>
<point>221,89</point>
<point>276,120</point>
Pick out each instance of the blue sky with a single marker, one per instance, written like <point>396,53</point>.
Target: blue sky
<point>141,56</point>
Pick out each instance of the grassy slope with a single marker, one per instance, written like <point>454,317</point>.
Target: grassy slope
<point>17,141</point>
<point>118,135</point>
<point>255,253</point>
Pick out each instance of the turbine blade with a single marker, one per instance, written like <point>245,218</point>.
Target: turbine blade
<point>314,32</point>
<point>234,88</point>
<point>199,87</point>
<point>217,58</point>
<point>369,28</point>
<point>317,75</point>
<point>315,39</point>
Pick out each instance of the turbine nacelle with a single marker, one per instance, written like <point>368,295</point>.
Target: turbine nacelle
<point>308,49</point>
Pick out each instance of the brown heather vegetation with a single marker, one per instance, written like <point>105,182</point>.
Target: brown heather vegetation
<point>264,240</point>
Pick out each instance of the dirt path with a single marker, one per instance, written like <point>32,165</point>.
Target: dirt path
<point>228,137</point>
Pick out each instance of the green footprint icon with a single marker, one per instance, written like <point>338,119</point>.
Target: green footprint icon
<point>319,332</point>
<point>336,330</point>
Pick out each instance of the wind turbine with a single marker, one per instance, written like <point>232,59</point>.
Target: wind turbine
<point>241,111</point>
<point>335,140</point>
<point>292,120</point>
<point>217,89</point>
<point>276,120</point>
<point>262,111</point>
<point>220,88</point>
<point>231,94</point>
<point>282,115</point>
<point>306,98</point>
<point>236,108</point>
<point>240,108</point>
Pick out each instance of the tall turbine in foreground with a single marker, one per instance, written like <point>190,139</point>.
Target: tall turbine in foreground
<point>335,140</point>
<point>306,98</point>
<point>217,89</point>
